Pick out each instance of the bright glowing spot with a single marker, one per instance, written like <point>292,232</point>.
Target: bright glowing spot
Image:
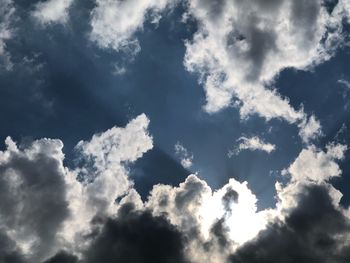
<point>240,214</point>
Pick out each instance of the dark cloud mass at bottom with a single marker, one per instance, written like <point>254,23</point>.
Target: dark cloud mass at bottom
<point>137,237</point>
<point>313,232</point>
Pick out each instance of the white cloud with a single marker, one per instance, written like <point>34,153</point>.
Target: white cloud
<point>185,157</point>
<point>310,129</point>
<point>35,185</point>
<point>106,156</point>
<point>45,209</point>
<point>7,10</point>
<point>52,11</point>
<point>345,83</point>
<point>114,23</point>
<point>315,165</point>
<point>252,144</point>
<point>241,47</point>
<point>345,86</point>
<point>33,204</point>
<point>194,205</point>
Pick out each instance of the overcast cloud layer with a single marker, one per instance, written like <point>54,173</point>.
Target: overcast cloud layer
<point>86,205</point>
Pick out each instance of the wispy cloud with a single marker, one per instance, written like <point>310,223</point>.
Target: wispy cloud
<point>252,144</point>
<point>186,158</point>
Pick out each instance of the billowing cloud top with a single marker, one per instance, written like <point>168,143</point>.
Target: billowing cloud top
<point>48,214</point>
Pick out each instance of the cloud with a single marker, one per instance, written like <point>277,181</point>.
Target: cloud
<point>104,175</point>
<point>114,23</point>
<point>9,252</point>
<point>315,165</point>
<point>310,129</point>
<point>313,231</point>
<point>252,144</point>
<point>47,215</point>
<point>34,201</point>
<point>62,257</point>
<point>137,236</point>
<point>208,218</point>
<point>308,223</point>
<point>345,86</point>
<point>7,10</point>
<point>52,11</point>
<point>185,157</point>
<point>241,47</point>
<point>44,207</point>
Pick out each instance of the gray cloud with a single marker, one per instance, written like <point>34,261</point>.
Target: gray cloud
<point>33,194</point>
<point>9,252</point>
<point>47,215</point>
<point>62,257</point>
<point>137,237</point>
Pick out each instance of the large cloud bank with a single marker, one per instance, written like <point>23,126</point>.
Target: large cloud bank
<point>92,213</point>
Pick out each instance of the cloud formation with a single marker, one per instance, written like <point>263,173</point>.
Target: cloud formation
<point>253,144</point>
<point>7,10</point>
<point>241,47</point>
<point>186,158</point>
<point>114,23</point>
<point>92,212</point>
<point>52,213</point>
<point>45,208</point>
<point>52,11</point>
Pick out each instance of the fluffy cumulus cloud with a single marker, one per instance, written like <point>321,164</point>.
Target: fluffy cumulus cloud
<point>114,23</point>
<point>52,11</point>
<point>308,224</point>
<point>44,207</point>
<point>253,144</point>
<point>213,223</point>
<point>242,46</point>
<point>34,202</point>
<point>316,165</point>
<point>92,213</point>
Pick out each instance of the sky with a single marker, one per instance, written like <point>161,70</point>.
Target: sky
<point>174,131</point>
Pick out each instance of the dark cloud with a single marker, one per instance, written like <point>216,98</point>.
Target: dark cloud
<point>190,192</point>
<point>313,232</point>
<point>137,237</point>
<point>9,252</point>
<point>229,197</point>
<point>261,43</point>
<point>305,15</point>
<point>219,231</point>
<point>215,7</point>
<point>62,257</point>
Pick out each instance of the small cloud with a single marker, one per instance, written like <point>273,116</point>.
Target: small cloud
<point>252,144</point>
<point>119,70</point>
<point>310,129</point>
<point>346,86</point>
<point>186,158</point>
<point>315,165</point>
<point>52,11</point>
